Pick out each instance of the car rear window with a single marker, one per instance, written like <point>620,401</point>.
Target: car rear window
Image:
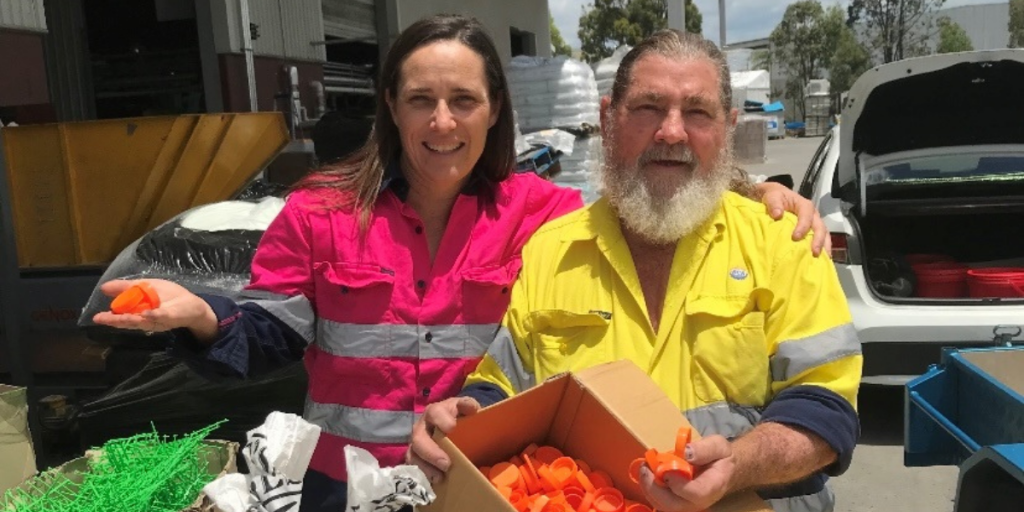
<point>952,167</point>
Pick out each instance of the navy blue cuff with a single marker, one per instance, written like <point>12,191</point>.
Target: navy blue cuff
<point>823,413</point>
<point>204,358</point>
<point>811,485</point>
<point>484,393</point>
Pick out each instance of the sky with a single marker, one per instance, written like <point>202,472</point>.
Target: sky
<point>747,19</point>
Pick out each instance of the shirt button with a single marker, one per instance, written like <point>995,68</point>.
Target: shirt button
<point>421,284</point>
<point>419,230</point>
<point>426,392</point>
<point>429,337</point>
<point>504,290</point>
<point>344,289</point>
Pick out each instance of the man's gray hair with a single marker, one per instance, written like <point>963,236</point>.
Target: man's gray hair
<point>672,43</point>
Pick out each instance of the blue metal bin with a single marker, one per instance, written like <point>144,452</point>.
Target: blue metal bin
<point>969,411</point>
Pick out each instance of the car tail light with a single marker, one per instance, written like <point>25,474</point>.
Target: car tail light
<point>840,248</point>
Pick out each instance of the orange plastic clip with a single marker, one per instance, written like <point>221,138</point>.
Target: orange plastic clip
<point>663,463</point>
<point>136,299</point>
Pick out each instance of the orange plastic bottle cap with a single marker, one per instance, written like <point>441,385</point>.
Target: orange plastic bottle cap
<point>519,500</point>
<point>136,299</point>
<point>555,506</point>
<point>564,469</point>
<point>505,474</point>
<point>583,466</point>
<point>530,481</point>
<point>574,500</point>
<point>609,500</point>
<point>547,454</point>
<point>547,479</point>
<point>587,504</point>
<point>639,507</point>
<point>670,463</point>
<point>634,470</point>
<point>585,482</point>
<point>600,479</point>
<point>683,437</point>
<point>539,502</point>
<point>569,492</point>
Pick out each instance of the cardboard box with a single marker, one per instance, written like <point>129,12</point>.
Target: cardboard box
<point>19,461</point>
<point>220,458</point>
<point>607,415</point>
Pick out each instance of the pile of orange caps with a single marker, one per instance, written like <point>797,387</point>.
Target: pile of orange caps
<point>542,479</point>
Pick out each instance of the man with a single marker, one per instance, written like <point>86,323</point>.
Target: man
<point>741,326</point>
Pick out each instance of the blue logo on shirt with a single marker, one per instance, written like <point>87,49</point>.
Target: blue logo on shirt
<point>738,274</point>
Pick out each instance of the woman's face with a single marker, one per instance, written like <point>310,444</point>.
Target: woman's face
<point>443,112</point>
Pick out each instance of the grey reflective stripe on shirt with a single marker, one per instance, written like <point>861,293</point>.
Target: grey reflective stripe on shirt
<point>260,295</point>
<point>358,424</point>
<point>797,356</point>
<point>723,418</point>
<point>822,501</point>
<point>730,421</point>
<point>416,341</point>
<point>295,312</point>
<point>503,351</point>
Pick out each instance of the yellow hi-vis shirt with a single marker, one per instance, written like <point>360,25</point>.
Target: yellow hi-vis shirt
<point>748,313</point>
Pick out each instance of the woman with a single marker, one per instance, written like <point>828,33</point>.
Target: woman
<point>388,272</point>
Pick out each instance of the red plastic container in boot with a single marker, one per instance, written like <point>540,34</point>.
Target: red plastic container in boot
<point>944,280</point>
<point>1005,283</point>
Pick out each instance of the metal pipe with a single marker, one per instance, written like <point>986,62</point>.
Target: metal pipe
<point>19,360</point>
<point>250,69</point>
<point>349,90</point>
<point>677,14</point>
<point>721,24</point>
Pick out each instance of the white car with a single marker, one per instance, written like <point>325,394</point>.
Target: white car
<point>928,164</point>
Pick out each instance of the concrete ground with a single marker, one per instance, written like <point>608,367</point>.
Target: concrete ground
<point>877,481</point>
<point>787,156</point>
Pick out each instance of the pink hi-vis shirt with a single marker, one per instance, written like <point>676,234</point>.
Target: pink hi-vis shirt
<point>388,331</point>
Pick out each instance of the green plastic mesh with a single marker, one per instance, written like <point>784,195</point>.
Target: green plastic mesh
<point>144,473</point>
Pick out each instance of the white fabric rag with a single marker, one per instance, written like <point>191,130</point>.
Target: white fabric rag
<point>278,454</point>
<point>372,488</point>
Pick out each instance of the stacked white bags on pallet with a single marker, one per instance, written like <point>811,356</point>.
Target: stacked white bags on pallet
<point>559,92</point>
<point>584,160</point>
<point>556,92</point>
<point>605,69</point>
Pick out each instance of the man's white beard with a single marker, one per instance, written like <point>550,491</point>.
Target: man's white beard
<point>666,217</point>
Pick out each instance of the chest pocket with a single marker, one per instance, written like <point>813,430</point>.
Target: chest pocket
<point>567,341</point>
<point>486,292</point>
<point>729,355</point>
<point>358,293</point>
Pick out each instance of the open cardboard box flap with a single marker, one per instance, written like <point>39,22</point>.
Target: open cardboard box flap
<point>607,415</point>
<point>17,460</point>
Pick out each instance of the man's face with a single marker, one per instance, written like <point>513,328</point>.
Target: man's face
<point>667,146</point>
<point>671,104</point>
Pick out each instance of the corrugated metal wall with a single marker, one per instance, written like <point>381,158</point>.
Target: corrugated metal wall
<point>286,28</point>
<point>986,25</point>
<point>22,15</point>
<point>499,16</point>
<point>350,19</point>
<point>67,62</point>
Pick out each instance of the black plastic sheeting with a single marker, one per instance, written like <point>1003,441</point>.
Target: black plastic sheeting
<point>168,395</point>
<point>174,247</point>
